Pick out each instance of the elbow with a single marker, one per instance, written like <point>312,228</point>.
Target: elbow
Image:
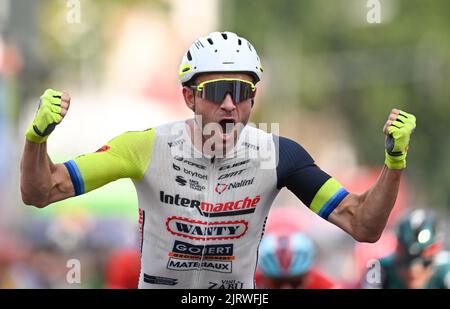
<point>37,204</point>
<point>33,201</point>
<point>371,237</point>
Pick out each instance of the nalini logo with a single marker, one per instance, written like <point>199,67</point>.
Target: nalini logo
<point>200,230</point>
<point>222,187</point>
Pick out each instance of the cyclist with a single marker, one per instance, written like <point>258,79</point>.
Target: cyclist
<point>418,261</point>
<point>286,261</point>
<point>122,269</point>
<point>205,185</point>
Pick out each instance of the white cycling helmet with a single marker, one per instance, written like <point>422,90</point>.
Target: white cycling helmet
<point>220,52</point>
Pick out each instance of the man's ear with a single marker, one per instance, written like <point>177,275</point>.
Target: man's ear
<point>188,95</point>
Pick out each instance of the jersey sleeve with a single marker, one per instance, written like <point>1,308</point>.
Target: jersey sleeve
<point>126,156</point>
<point>297,171</point>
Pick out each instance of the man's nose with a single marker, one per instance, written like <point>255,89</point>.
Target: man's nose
<point>227,104</point>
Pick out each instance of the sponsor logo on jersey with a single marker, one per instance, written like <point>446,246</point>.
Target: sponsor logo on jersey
<point>103,148</point>
<point>181,159</point>
<point>190,173</point>
<point>217,266</point>
<point>176,143</point>
<point>193,184</point>
<point>231,174</point>
<point>181,181</point>
<point>228,166</point>
<point>159,280</point>
<point>222,187</point>
<point>250,146</point>
<point>202,252</point>
<point>200,230</point>
<point>243,206</point>
<point>231,284</point>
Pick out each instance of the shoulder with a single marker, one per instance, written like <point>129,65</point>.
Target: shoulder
<point>291,155</point>
<point>132,140</point>
<point>145,137</point>
<point>291,148</point>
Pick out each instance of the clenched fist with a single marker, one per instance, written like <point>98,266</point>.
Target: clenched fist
<point>398,129</point>
<point>53,107</point>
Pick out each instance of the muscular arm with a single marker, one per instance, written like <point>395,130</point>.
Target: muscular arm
<point>364,216</point>
<point>41,181</point>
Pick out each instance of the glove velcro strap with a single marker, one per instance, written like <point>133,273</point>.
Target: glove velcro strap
<point>395,162</point>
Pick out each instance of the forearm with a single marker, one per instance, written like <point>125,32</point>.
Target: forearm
<point>36,174</point>
<point>376,204</point>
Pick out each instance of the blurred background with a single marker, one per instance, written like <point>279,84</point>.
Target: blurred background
<point>330,80</point>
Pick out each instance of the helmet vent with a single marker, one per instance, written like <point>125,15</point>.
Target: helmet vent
<point>198,44</point>
<point>189,55</point>
<point>224,35</point>
<point>210,41</point>
<point>239,42</point>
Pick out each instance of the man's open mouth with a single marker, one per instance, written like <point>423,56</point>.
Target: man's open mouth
<point>227,125</point>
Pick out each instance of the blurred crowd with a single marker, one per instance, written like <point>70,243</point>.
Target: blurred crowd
<point>410,254</point>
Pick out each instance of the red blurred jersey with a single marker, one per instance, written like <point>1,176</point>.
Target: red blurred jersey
<point>315,279</point>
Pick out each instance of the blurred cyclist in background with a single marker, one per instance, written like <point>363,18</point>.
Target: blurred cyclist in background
<point>419,261</point>
<point>123,268</point>
<point>286,261</point>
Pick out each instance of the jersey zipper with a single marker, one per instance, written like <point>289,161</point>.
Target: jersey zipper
<point>209,195</point>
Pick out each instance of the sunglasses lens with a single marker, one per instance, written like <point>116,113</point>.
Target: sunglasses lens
<point>216,91</point>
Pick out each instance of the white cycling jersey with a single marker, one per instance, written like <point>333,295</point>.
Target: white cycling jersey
<point>202,218</point>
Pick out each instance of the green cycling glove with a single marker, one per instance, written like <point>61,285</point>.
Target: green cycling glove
<point>48,116</point>
<point>397,140</point>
